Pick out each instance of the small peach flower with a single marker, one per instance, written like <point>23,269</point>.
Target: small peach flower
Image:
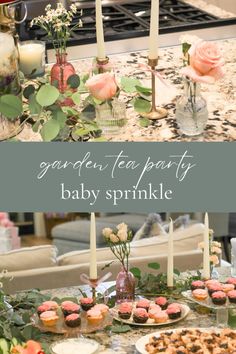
<point>102,86</point>
<point>214,259</point>
<point>123,235</point>
<point>107,232</point>
<point>114,238</point>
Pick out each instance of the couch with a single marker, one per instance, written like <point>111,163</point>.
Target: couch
<point>41,267</point>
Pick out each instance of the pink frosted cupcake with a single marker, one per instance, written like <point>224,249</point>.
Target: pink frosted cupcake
<point>140,315</point>
<point>213,288</point>
<point>197,284</point>
<point>125,310</point>
<point>232,281</point>
<point>200,294</point>
<point>162,302</point>
<point>211,282</point>
<point>104,309</point>
<point>52,305</point>
<point>173,311</point>
<point>73,320</point>
<point>161,317</point>
<point>94,317</point>
<point>69,307</point>
<point>143,304</point>
<point>87,303</point>
<point>232,296</point>
<point>153,310</point>
<point>227,287</point>
<point>43,308</point>
<point>49,318</point>
<point>219,298</point>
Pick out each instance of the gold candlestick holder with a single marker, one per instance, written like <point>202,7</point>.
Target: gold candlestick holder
<point>102,65</point>
<point>93,283</point>
<point>156,112</point>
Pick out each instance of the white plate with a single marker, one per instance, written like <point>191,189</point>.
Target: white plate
<point>141,343</point>
<point>150,322</point>
<point>81,345</point>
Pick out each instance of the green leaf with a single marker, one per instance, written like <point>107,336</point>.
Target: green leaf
<point>50,130</point>
<point>82,132</point>
<point>34,107</point>
<point>17,319</point>
<point>128,84</point>
<point>136,272</point>
<point>11,106</point>
<point>27,332</point>
<point>73,81</point>
<point>99,139</point>
<point>154,265</point>
<point>177,272</point>
<point>186,47</point>
<point>47,95</point>
<point>76,98</point>
<point>120,328</point>
<point>144,122</point>
<point>141,105</point>
<point>60,116</point>
<point>142,89</point>
<point>36,125</point>
<point>28,91</point>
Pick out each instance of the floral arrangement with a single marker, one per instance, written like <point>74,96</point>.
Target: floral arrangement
<point>57,24</point>
<point>5,220</point>
<point>215,250</point>
<point>119,242</point>
<point>203,61</point>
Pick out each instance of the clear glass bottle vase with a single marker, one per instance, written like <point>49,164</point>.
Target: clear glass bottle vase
<point>125,286</point>
<point>191,110</point>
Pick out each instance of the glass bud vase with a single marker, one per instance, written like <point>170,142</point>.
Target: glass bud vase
<point>191,110</point>
<point>61,71</point>
<point>125,286</point>
<point>111,116</point>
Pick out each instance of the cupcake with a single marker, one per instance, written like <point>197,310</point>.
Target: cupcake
<point>213,288</point>
<point>140,315</point>
<point>232,281</point>
<point>143,304</point>
<point>52,305</point>
<point>42,308</point>
<point>86,303</point>
<point>153,310</point>
<point>69,307</point>
<point>197,284</point>
<point>218,298</point>
<point>94,317</point>
<point>200,294</point>
<point>232,296</point>
<point>173,311</point>
<point>210,282</point>
<point>104,309</point>
<point>161,317</point>
<point>162,302</point>
<point>49,318</point>
<point>227,287</point>
<point>125,310</point>
<point>73,320</point>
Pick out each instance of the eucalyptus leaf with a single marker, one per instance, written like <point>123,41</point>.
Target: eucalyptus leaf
<point>143,89</point>
<point>73,81</point>
<point>34,106</point>
<point>17,319</point>
<point>82,132</point>
<point>141,105</point>
<point>60,117</point>
<point>27,332</point>
<point>136,272</point>
<point>28,91</point>
<point>11,106</point>
<point>128,84</point>
<point>120,328</point>
<point>76,98</point>
<point>144,122</point>
<point>36,126</point>
<point>154,265</point>
<point>50,130</point>
<point>99,139</point>
<point>47,95</point>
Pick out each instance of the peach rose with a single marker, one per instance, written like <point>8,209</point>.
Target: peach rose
<point>206,63</point>
<point>102,86</point>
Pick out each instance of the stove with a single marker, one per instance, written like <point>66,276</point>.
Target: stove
<point>123,19</point>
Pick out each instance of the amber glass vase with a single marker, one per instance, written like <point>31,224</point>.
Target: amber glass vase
<point>61,71</point>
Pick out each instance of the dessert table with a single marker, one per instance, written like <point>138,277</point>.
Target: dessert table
<point>220,96</point>
<point>124,343</point>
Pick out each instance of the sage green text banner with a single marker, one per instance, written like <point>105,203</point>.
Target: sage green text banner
<point>118,177</point>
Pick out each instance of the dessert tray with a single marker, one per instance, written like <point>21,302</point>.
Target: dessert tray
<point>62,328</point>
<point>150,322</point>
<point>207,302</point>
<point>202,335</point>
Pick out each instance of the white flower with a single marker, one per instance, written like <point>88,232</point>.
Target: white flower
<point>123,235</point>
<point>122,226</point>
<point>114,238</point>
<point>186,38</point>
<point>107,232</point>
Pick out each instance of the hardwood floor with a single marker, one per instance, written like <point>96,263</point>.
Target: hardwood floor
<point>32,240</point>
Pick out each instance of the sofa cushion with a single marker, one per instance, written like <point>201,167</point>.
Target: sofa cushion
<point>29,258</point>
<point>184,240</point>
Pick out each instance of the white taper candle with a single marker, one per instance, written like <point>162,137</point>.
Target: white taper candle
<point>154,30</point>
<point>99,31</point>
<point>206,253</point>
<point>170,260</point>
<point>93,248</point>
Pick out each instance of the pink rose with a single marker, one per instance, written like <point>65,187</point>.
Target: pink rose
<point>6,223</point>
<point>102,86</point>
<point>3,215</point>
<point>206,63</point>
